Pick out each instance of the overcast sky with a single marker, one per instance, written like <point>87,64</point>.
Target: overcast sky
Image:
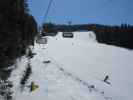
<point>84,11</point>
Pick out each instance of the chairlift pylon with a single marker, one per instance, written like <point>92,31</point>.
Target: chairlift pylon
<point>42,31</point>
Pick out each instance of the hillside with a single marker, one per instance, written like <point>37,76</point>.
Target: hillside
<point>117,35</point>
<point>74,69</point>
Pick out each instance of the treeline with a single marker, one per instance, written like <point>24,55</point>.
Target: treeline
<point>121,35</point>
<point>17,30</point>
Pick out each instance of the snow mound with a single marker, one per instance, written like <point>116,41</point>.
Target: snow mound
<point>84,36</point>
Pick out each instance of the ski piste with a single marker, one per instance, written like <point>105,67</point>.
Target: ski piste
<point>74,69</point>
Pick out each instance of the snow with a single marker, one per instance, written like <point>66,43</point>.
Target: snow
<point>84,36</point>
<point>76,70</point>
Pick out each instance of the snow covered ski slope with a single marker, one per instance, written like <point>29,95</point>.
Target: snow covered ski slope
<point>74,69</point>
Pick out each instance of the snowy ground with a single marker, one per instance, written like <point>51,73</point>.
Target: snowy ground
<point>76,71</point>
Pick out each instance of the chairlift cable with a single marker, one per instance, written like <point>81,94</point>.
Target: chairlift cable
<point>47,11</point>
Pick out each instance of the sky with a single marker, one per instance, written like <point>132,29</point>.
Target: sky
<point>109,12</point>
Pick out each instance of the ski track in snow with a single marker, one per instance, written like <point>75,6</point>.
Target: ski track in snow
<point>91,88</point>
<point>58,83</point>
